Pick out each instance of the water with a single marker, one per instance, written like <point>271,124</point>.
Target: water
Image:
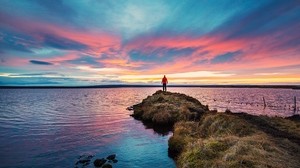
<point>52,127</point>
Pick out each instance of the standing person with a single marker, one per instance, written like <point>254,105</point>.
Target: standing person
<point>164,81</point>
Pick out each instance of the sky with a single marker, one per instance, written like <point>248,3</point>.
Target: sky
<point>201,42</point>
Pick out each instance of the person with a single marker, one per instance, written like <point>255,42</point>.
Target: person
<point>164,81</point>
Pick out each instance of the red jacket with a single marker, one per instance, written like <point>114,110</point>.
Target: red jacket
<point>164,80</point>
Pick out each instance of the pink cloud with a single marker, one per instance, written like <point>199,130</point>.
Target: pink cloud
<point>255,52</point>
<point>98,42</point>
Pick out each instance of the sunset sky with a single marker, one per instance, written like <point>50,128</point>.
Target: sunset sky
<point>90,42</point>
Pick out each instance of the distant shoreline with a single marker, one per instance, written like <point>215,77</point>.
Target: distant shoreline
<point>138,86</point>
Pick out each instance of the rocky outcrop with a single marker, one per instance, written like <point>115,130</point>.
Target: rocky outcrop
<point>166,108</point>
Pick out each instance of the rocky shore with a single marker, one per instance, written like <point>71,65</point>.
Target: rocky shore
<point>204,138</point>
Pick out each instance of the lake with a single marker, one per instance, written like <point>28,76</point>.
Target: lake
<point>53,127</point>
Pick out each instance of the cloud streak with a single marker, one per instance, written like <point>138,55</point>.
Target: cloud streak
<point>40,62</point>
<point>139,41</point>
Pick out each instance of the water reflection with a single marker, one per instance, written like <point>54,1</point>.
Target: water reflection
<point>280,102</point>
<point>160,130</point>
<point>52,127</point>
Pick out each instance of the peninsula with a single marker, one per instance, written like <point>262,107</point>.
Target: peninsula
<point>205,138</point>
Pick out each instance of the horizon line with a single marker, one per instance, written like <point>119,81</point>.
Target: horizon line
<point>147,85</point>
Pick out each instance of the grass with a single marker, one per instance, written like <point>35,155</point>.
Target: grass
<point>203,138</point>
<point>228,140</point>
<point>166,108</point>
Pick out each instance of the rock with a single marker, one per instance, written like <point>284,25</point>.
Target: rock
<point>86,163</point>
<point>129,108</point>
<point>111,157</point>
<point>166,108</point>
<point>115,161</point>
<point>84,159</point>
<point>99,162</point>
<point>107,166</point>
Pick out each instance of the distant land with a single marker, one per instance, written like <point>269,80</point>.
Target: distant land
<point>136,86</point>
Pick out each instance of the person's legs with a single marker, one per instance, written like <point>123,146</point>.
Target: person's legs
<point>164,87</point>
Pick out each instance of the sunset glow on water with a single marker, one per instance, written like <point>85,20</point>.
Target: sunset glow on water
<point>70,68</point>
<point>52,127</point>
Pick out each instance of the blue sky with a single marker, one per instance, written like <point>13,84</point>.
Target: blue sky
<point>89,42</point>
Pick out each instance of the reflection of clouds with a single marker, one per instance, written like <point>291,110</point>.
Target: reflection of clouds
<point>54,126</point>
<point>244,99</point>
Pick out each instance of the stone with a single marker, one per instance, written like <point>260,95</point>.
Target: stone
<point>111,157</point>
<point>84,159</point>
<point>107,166</point>
<point>129,108</point>
<point>99,162</point>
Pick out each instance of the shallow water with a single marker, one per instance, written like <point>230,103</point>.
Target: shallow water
<point>52,127</point>
<point>279,102</point>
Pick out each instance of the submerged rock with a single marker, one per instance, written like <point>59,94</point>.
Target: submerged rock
<point>111,157</point>
<point>84,160</point>
<point>129,108</point>
<point>166,108</point>
<point>99,162</point>
<point>107,166</point>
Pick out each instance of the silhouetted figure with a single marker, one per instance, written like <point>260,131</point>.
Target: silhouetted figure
<point>164,81</point>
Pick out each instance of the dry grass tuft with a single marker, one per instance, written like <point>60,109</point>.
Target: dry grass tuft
<point>227,140</point>
<point>209,139</point>
<point>166,108</point>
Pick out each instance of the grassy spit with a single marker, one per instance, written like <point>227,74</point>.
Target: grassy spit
<point>207,139</point>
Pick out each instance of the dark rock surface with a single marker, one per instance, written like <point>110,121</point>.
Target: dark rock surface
<point>111,157</point>
<point>84,160</point>
<point>107,166</point>
<point>104,163</point>
<point>99,162</point>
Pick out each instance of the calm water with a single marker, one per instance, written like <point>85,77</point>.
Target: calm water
<point>52,127</point>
